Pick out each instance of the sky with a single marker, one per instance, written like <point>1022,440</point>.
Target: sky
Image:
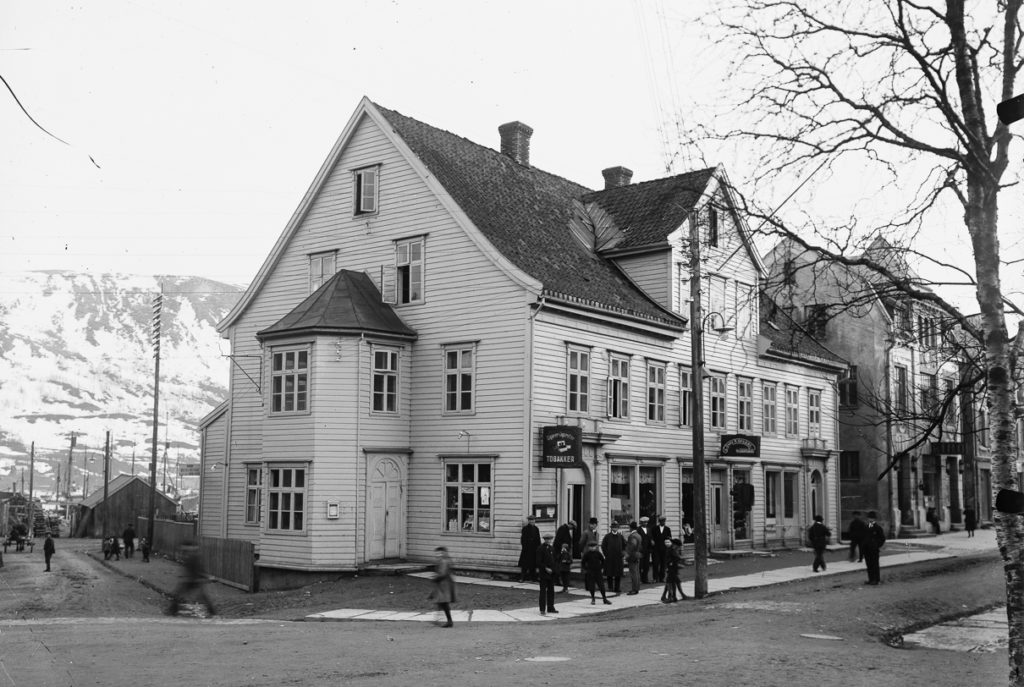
<point>190,130</point>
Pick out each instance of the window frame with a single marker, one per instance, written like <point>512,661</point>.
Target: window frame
<point>849,465</point>
<point>359,177</point>
<point>713,226</point>
<point>578,386</point>
<point>460,394</point>
<point>814,412</point>
<point>656,385</point>
<point>685,397</point>
<point>302,383</point>
<point>253,494</point>
<point>318,271</point>
<point>410,277</point>
<point>391,373</point>
<point>847,388</point>
<point>744,404</point>
<point>618,386</point>
<point>792,412</point>
<point>291,492</point>
<point>901,402</point>
<point>481,490</point>
<point>769,420</point>
<point>718,399</point>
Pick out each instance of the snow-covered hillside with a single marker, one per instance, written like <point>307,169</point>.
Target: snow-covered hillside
<point>76,356</point>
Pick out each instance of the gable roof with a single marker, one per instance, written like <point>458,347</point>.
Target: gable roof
<point>786,338</point>
<point>347,303</point>
<point>647,212</point>
<point>115,485</point>
<point>525,213</point>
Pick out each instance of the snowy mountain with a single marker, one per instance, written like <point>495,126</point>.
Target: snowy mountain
<point>76,356</point>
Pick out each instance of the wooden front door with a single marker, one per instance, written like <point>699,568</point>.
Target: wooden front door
<point>385,511</point>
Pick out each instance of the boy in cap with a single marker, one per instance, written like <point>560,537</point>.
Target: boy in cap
<point>546,575</point>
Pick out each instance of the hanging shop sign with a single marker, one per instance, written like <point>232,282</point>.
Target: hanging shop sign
<point>947,448</point>
<point>744,445</point>
<point>563,447</point>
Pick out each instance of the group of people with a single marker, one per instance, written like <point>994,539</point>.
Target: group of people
<point>866,541</point>
<point>112,546</point>
<point>648,552</point>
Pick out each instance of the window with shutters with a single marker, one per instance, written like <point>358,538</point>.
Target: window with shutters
<point>365,191</point>
<point>618,387</point>
<point>253,495</point>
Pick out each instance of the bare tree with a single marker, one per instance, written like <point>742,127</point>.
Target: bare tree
<point>910,86</point>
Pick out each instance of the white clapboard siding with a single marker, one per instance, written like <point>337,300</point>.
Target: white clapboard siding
<point>652,272</point>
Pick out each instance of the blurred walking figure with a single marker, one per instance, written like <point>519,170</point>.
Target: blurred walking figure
<point>634,552</point>
<point>192,587</point>
<point>144,548</point>
<point>856,534</point>
<point>819,535</point>
<point>970,521</point>
<point>48,550</point>
<point>444,584</point>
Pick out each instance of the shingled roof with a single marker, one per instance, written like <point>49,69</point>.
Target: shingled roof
<point>646,213</point>
<point>525,213</point>
<point>788,339</point>
<point>347,303</point>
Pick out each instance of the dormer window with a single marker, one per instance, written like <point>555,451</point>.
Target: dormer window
<point>366,187</point>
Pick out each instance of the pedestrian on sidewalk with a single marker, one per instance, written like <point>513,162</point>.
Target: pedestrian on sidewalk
<point>115,548</point>
<point>646,545</point>
<point>871,546</point>
<point>661,536</point>
<point>48,550</point>
<point>593,568</point>
<point>634,552</point>
<point>144,548</point>
<point>444,584</point>
<point>529,542</point>
<point>129,541</point>
<point>564,566</point>
<point>818,535</point>
<point>856,535</point>
<point>970,521</point>
<point>546,575</point>
<point>672,564</point>
<point>613,546</point>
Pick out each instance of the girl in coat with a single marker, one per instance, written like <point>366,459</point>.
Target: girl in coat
<point>564,566</point>
<point>444,584</point>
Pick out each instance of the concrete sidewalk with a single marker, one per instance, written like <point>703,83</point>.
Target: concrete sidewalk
<point>897,552</point>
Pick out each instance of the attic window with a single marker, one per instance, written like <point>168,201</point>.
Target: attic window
<point>712,226</point>
<point>366,190</point>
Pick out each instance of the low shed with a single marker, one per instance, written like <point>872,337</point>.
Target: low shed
<point>127,498</point>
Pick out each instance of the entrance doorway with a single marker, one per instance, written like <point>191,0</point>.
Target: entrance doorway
<point>385,511</point>
<point>719,521</point>
<point>575,504</point>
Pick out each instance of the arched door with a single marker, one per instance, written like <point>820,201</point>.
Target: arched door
<point>385,511</point>
<point>817,495</point>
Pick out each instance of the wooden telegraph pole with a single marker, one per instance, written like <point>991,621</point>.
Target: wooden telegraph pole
<point>157,308</point>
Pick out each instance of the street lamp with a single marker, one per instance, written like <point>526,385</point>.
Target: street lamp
<point>697,324</point>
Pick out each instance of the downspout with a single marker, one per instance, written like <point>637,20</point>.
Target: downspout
<point>528,404</point>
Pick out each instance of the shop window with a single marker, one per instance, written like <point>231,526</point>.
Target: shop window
<point>468,497</point>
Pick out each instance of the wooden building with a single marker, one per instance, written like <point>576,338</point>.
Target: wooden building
<point>127,498</point>
<point>436,309</point>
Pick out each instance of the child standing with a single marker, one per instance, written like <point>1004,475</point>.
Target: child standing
<point>674,557</point>
<point>593,567</point>
<point>564,566</point>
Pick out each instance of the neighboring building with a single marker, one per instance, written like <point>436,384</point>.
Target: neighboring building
<point>126,499</point>
<point>435,309</point>
<point>899,403</point>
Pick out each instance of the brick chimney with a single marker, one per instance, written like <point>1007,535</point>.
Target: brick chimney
<point>616,176</point>
<point>515,141</point>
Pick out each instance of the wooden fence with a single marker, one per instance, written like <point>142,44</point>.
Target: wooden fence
<point>231,561</point>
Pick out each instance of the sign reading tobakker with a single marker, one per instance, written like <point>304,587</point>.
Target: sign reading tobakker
<point>741,445</point>
<point>563,447</point>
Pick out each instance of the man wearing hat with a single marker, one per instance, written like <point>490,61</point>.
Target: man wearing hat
<point>870,546</point>
<point>546,575</point>
<point>613,546</point>
<point>634,545</point>
<point>660,534</point>
<point>645,551</point>
<point>529,541</point>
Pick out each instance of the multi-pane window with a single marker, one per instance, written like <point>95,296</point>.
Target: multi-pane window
<point>929,392</point>
<point>409,270</point>
<point>366,190</point>
<point>769,407</point>
<point>286,498</point>
<point>459,364</point>
<point>849,465</point>
<point>902,391</point>
<point>618,387</point>
<point>253,495</point>
<point>468,494</point>
<point>712,226</point>
<point>655,392</point>
<point>321,268</point>
<point>385,380</point>
<point>792,410</point>
<point>578,382</point>
<point>289,381</point>
<point>745,404</point>
<point>716,394</point>
<point>848,388</point>
<point>685,398</point>
<point>814,412</point>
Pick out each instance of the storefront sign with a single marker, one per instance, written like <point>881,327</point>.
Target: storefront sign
<point>947,448</point>
<point>563,447</point>
<point>743,445</point>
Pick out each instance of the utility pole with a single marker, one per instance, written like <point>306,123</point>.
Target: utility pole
<point>31,476</point>
<point>67,489</point>
<point>56,491</point>
<point>700,529</point>
<point>106,480</point>
<point>157,309</point>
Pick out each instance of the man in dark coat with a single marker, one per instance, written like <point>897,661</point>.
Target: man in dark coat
<point>546,575</point>
<point>48,550</point>
<point>818,533</point>
<point>529,541</point>
<point>634,548</point>
<point>566,534</point>
<point>660,534</point>
<point>645,551</point>
<point>870,546</point>
<point>856,534</point>
<point>613,546</point>
<point>129,541</point>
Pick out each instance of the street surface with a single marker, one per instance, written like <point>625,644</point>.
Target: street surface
<point>87,625</point>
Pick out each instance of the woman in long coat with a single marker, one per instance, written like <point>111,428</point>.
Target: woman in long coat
<point>613,546</point>
<point>529,542</point>
<point>444,584</point>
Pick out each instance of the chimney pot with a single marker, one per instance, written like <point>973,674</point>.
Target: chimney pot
<point>515,141</point>
<point>616,176</point>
